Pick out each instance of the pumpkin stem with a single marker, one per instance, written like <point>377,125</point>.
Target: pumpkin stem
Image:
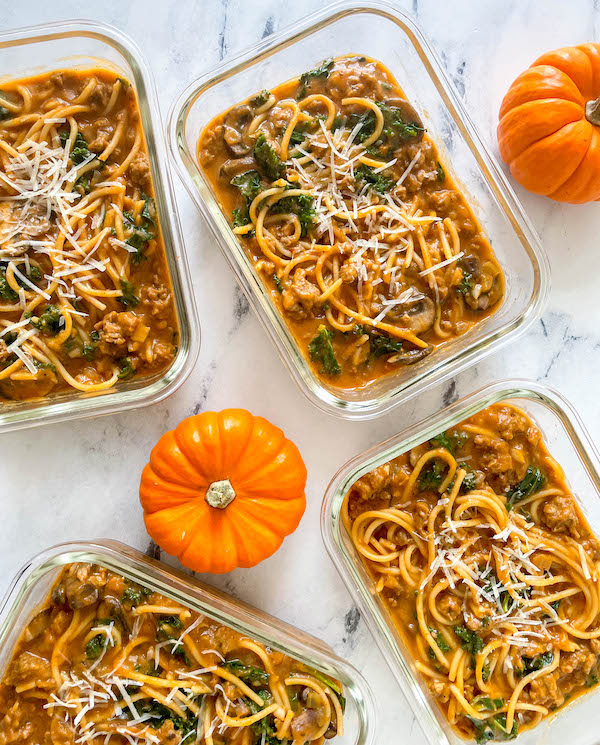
<point>220,494</point>
<point>592,112</point>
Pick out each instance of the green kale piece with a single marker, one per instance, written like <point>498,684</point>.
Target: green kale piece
<point>260,99</point>
<point>322,71</point>
<point>321,350</point>
<point>248,183</point>
<point>267,158</point>
<point>50,322</point>
<point>127,367</point>
<point>247,673</point>
<point>93,649</point>
<point>469,640</point>
<point>377,181</point>
<point>128,296</point>
<point>301,205</point>
<point>533,481</point>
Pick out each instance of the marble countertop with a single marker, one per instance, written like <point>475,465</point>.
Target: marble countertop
<point>80,481</point>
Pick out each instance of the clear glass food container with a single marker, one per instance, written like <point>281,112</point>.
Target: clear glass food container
<point>84,45</point>
<point>569,444</point>
<point>32,584</point>
<point>380,31</point>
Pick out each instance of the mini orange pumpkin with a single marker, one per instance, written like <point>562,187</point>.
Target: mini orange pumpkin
<point>222,490</point>
<point>549,131</point>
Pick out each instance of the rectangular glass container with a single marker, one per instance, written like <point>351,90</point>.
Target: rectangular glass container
<point>569,444</point>
<point>31,586</point>
<point>378,30</point>
<point>84,45</point>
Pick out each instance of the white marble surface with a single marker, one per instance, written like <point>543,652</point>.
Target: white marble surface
<point>77,481</point>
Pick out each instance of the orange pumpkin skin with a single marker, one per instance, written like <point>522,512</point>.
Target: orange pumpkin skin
<point>549,130</point>
<point>265,470</point>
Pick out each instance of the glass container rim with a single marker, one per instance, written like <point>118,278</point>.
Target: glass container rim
<point>72,407</point>
<point>496,181</point>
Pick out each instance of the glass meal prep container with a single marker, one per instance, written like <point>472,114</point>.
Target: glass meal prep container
<point>32,584</point>
<point>394,40</point>
<point>569,444</point>
<point>82,45</point>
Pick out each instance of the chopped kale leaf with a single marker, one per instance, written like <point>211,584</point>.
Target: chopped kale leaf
<point>128,296</point>
<point>127,367</point>
<point>248,183</point>
<point>469,640</point>
<point>322,71</point>
<point>93,649</point>
<point>278,283</point>
<point>267,158</point>
<point>533,481</point>
<point>301,205</point>
<point>432,476</point>
<point>321,350</point>
<point>377,181</point>
<point>452,441</point>
<point>247,673</point>
<point>260,99</point>
<point>50,322</point>
<point>531,664</point>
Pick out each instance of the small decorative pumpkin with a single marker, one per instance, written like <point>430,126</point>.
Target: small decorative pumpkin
<point>222,490</point>
<point>549,131</point>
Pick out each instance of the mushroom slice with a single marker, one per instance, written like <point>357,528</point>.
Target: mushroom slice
<point>80,594</point>
<point>233,166</point>
<point>411,356</point>
<point>235,124</point>
<point>416,314</point>
<point>487,283</point>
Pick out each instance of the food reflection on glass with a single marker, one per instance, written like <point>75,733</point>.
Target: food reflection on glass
<point>106,660</point>
<point>367,247</point>
<point>478,550</point>
<point>85,294</point>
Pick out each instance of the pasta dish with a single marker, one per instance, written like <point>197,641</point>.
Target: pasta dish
<point>478,550</point>
<point>366,245</point>
<point>107,661</point>
<point>85,295</point>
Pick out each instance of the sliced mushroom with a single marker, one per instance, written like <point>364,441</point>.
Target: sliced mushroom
<point>80,594</point>
<point>235,124</point>
<point>487,283</point>
<point>233,166</point>
<point>111,607</point>
<point>416,315</point>
<point>306,724</point>
<point>410,356</point>
<point>39,623</point>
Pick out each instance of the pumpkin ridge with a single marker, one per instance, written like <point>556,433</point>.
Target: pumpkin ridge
<point>232,467</point>
<point>180,434</point>
<point>514,125</point>
<point>522,163</point>
<point>571,194</point>
<point>247,527</point>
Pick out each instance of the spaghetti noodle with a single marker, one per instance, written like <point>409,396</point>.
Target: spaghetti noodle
<point>366,245</point>
<point>489,570</point>
<point>85,296</point>
<point>107,661</point>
